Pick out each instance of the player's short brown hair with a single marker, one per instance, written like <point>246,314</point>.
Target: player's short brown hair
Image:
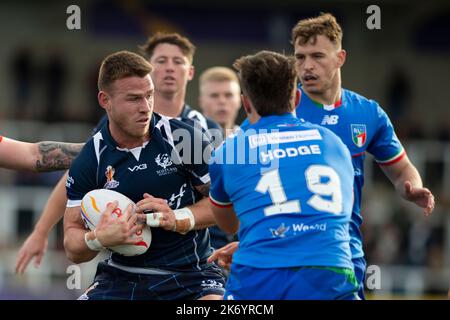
<point>218,74</point>
<point>268,79</point>
<point>308,29</point>
<point>121,65</point>
<point>176,39</point>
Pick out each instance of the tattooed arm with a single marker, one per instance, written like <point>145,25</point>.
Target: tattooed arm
<point>56,155</point>
<point>40,156</point>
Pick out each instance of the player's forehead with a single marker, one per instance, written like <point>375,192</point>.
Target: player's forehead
<point>221,86</point>
<point>168,50</point>
<point>319,43</point>
<point>134,85</point>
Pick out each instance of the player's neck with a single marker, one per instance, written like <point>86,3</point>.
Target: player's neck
<point>125,141</point>
<point>169,105</point>
<point>329,96</point>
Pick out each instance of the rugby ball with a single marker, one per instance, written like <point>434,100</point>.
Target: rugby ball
<point>94,204</point>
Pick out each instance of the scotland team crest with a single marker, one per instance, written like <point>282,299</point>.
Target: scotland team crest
<point>110,182</point>
<point>359,134</point>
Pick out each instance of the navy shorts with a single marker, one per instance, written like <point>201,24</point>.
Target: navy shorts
<point>302,283</point>
<point>111,283</point>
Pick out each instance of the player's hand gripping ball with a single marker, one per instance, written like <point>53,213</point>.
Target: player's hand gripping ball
<point>94,203</point>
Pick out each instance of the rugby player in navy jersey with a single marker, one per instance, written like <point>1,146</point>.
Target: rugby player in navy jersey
<point>361,124</point>
<point>171,56</point>
<point>175,266</point>
<point>286,186</point>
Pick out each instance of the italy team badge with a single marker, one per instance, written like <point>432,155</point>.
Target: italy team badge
<point>359,134</point>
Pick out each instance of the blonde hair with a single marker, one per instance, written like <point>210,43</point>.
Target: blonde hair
<point>218,74</point>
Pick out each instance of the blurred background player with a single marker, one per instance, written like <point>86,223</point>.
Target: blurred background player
<point>171,56</point>
<point>220,100</point>
<point>40,156</point>
<point>175,267</point>
<point>293,228</point>
<point>220,97</point>
<point>361,123</point>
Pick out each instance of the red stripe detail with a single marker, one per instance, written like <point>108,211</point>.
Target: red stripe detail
<point>220,205</point>
<point>400,157</point>
<point>358,154</point>
<point>141,243</point>
<point>1,138</point>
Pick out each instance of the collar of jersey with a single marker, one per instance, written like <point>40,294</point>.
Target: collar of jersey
<point>111,143</point>
<point>274,121</point>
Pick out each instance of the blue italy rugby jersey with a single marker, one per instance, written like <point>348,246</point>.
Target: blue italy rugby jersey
<point>291,186</point>
<point>151,169</point>
<point>363,126</point>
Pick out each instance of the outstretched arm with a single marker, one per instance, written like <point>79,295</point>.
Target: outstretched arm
<point>40,156</point>
<point>408,183</point>
<point>36,243</point>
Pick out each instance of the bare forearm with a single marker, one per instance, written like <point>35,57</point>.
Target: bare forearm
<point>74,231</point>
<point>409,174</point>
<point>203,214</point>
<point>75,246</point>
<point>56,155</point>
<point>401,172</point>
<point>54,208</point>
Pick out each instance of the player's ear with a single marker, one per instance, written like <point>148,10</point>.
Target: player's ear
<point>342,54</point>
<point>298,95</point>
<point>191,72</point>
<point>103,100</point>
<point>246,104</point>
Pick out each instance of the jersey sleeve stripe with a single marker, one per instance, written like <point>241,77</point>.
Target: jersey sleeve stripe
<point>73,203</point>
<point>392,160</point>
<point>1,138</point>
<point>219,203</point>
<point>358,154</point>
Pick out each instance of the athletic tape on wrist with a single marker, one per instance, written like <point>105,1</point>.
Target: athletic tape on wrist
<point>94,245</point>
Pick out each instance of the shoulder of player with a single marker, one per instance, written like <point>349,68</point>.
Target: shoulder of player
<point>189,127</point>
<point>88,153</point>
<point>359,101</point>
<point>212,124</point>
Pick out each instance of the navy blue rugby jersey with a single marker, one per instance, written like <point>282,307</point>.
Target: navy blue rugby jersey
<point>154,169</point>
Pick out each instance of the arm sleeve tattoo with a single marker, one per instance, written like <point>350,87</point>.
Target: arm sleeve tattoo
<point>56,155</point>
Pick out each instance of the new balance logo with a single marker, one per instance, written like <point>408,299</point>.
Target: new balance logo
<point>138,167</point>
<point>330,119</point>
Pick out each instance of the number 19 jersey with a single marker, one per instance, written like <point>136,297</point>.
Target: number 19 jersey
<point>291,186</point>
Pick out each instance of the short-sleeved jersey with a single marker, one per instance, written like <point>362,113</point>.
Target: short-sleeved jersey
<point>194,118</point>
<point>363,126</point>
<point>155,169</point>
<point>291,186</point>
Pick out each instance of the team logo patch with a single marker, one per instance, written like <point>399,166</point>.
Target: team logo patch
<point>359,134</point>
<point>280,231</point>
<point>110,182</point>
<point>163,160</point>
